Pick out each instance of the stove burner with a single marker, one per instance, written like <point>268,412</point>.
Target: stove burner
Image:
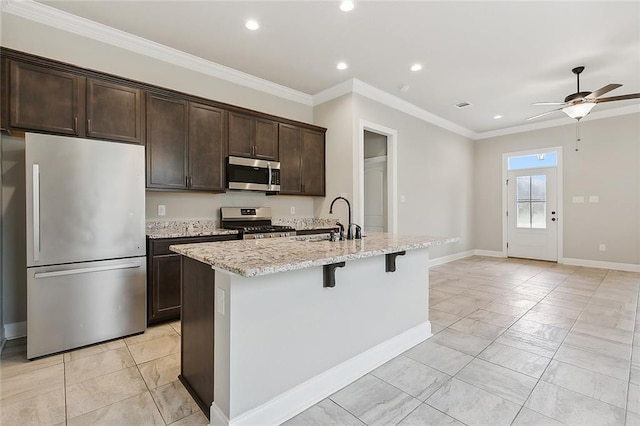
<point>254,223</point>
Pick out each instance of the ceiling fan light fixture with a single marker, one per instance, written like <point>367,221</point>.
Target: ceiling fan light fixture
<point>578,111</point>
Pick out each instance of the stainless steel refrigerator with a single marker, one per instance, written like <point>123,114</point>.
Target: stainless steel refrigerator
<point>86,264</point>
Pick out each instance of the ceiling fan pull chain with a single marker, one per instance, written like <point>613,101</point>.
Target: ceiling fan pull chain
<point>577,133</point>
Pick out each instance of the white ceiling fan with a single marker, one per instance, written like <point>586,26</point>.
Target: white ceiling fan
<point>578,105</point>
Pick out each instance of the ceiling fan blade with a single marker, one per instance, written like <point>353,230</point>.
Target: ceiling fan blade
<point>544,113</point>
<point>549,103</point>
<point>601,91</point>
<point>619,98</point>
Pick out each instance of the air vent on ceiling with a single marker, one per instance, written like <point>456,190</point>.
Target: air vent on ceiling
<point>463,105</point>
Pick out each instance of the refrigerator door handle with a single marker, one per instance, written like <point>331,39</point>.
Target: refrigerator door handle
<point>87,270</point>
<point>36,212</point>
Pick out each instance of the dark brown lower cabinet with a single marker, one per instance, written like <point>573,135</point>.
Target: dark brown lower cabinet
<point>197,332</point>
<point>164,276</point>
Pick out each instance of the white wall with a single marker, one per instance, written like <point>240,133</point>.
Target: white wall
<point>607,165</point>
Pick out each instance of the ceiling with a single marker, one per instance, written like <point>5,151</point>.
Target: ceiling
<point>499,56</point>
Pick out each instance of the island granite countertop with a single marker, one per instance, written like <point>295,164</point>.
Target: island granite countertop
<point>250,258</point>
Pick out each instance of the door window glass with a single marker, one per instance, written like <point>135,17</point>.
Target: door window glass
<point>543,159</point>
<point>531,199</point>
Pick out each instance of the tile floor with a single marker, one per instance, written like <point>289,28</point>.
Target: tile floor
<point>515,342</point>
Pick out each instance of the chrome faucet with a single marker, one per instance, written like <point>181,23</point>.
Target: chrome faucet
<point>349,223</point>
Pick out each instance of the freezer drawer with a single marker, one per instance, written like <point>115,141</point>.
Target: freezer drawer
<point>69,306</point>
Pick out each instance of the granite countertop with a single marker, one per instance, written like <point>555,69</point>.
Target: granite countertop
<point>251,258</point>
<point>167,233</point>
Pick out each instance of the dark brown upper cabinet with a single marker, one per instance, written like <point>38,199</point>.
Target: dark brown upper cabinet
<point>252,136</point>
<point>186,144</point>
<point>114,112</point>
<point>45,99</point>
<point>302,161</point>
<point>166,142</point>
<point>207,147</point>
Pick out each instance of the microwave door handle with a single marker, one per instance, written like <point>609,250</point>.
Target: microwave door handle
<point>269,166</point>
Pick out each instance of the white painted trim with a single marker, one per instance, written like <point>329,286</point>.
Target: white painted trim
<point>392,173</point>
<point>560,195</point>
<point>597,115</point>
<point>47,15</point>
<point>631,267</point>
<point>309,393</point>
<point>332,93</point>
<point>489,253</point>
<point>15,330</point>
<point>450,258</point>
<point>217,417</point>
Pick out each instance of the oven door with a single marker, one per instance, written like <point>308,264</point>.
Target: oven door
<point>254,175</point>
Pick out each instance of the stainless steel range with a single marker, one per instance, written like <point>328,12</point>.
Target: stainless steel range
<point>253,223</point>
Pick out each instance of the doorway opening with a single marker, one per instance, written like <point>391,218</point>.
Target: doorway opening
<point>377,178</point>
<point>532,202</point>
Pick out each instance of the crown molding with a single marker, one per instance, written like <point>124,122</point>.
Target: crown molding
<point>614,112</point>
<point>47,15</point>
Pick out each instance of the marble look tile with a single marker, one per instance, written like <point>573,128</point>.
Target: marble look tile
<point>547,308</point>
<point>501,308</point>
<point>493,318</point>
<point>427,415</point>
<point>561,295</point>
<point>154,349</point>
<point>174,402</point>
<point>515,359</point>
<point>590,383</point>
<point>596,344</point>
<point>375,402</point>
<point>517,300</point>
<point>500,381</point>
<point>177,326</point>
<point>196,419</point>
<point>105,390</point>
<point>633,419</point>
<point>439,357</point>
<point>528,417</point>
<point>542,331</point>
<point>43,409</point>
<point>88,367</point>
<point>633,403</point>
<point>436,328</point>
<point>529,343</point>
<point>442,318</point>
<point>16,363</point>
<point>564,303</point>
<point>462,342</point>
<point>571,407</point>
<point>548,319</point>
<point>137,410</point>
<point>31,384</point>
<point>472,405</point>
<point>326,412</point>
<point>612,308</point>
<point>607,321</point>
<point>151,333</point>
<point>596,330</point>
<point>634,377</point>
<point>94,349</point>
<point>161,371</point>
<point>412,377</point>
<point>594,361</point>
<point>477,328</point>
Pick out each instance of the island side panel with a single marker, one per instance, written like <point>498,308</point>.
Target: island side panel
<point>197,331</point>
<point>286,329</point>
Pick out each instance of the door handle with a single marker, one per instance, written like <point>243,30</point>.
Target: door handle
<point>87,270</point>
<point>36,212</point>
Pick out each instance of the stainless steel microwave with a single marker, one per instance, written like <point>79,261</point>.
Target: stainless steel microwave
<point>253,175</point>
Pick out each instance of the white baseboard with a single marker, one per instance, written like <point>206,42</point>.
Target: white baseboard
<point>314,390</point>
<point>15,330</point>
<point>450,258</point>
<point>631,267</point>
<point>488,253</point>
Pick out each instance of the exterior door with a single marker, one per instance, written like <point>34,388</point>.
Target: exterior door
<point>532,231</point>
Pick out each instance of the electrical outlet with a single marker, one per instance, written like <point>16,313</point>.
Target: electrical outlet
<point>220,302</point>
<point>162,210</point>
<point>603,247</point>
<point>293,210</point>
<point>594,199</point>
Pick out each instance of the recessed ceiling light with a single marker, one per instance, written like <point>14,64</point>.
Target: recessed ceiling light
<point>252,24</point>
<point>416,67</point>
<point>347,5</point>
<point>497,117</point>
<point>342,66</point>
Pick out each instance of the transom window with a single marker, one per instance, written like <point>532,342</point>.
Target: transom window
<point>533,161</point>
<point>531,198</point>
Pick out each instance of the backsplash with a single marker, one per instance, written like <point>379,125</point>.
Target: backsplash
<point>304,222</point>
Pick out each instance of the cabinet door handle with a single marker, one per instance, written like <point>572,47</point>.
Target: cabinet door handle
<point>89,125</point>
<point>303,188</point>
<point>75,125</point>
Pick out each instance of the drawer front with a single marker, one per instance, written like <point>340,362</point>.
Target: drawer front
<point>161,246</point>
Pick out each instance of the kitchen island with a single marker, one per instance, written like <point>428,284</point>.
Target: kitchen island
<point>271,327</point>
